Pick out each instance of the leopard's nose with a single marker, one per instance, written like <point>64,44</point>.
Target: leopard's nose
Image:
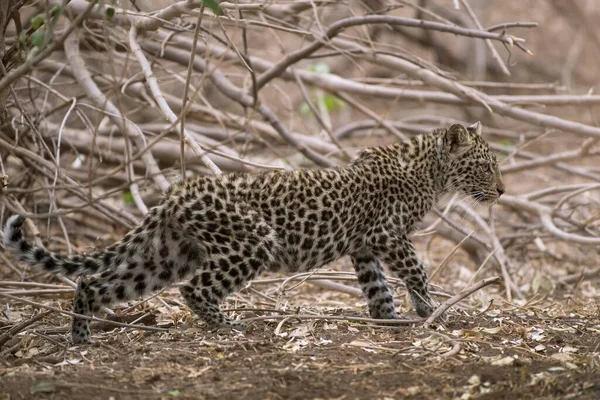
<point>500,190</point>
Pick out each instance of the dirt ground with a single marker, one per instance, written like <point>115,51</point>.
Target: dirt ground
<point>548,351</point>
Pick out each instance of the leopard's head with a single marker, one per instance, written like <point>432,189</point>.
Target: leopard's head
<point>470,164</point>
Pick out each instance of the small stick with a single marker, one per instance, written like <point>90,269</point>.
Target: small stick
<point>463,294</point>
<point>335,318</point>
<point>481,267</point>
<point>447,258</point>
<point>37,292</point>
<point>107,321</point>
<point>19,327</point>
<point>488,42</point>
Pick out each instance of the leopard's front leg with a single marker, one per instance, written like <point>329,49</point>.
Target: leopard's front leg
<point>400,257</point>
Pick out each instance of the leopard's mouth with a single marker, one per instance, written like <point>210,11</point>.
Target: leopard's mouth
<point>484,196</point>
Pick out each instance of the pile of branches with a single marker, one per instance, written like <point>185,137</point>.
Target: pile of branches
<point>106,107</point>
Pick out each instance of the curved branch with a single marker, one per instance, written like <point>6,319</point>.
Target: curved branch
<point>162,103</point>
<point>337,27</point>
<point>240,96</point>
<point>84,78</point>
<point>545,215</point>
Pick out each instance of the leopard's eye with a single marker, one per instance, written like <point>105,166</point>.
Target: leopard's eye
<point>485,166</point>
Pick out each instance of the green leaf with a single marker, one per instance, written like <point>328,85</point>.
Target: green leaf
<point>332,103</point>
<point>38,38</point>
<point>319,68</point>
<point>128,197</point>
<point>174,393</point>
<point>56,10</point>
<point>55,13</point>
<point>38,21</point>
<point>110,12</point>
<point>214,6</point>
<point>305,110</point>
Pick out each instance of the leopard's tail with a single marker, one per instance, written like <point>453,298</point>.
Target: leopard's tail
<point>74,266</point>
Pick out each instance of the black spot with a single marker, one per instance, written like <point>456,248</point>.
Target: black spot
<point>90,265</point>
<point>131,251</point>
<point>373,291</point>
<point>307,244</point>
<point>184,270</point>
<point>365,277</point>
<point>217,293</point>
<point>127,276</point>
<point>24,247</point>
<point>206,279</point>
<point>70,267</point>
<point>140,287</point>
<point>226,284</point>
<point>16,235</point>
<point>262,230</point>
<point>261,253</point>
<point>107,258</point>
<point>39,254</point>
<point>140,277</point>
<point>120,292</point>
<point>165,275</point>
<point>149,266</point>
<point>220,238</point>
<point>184,248</point>
<point>50,264</point>
<point>164,251</point>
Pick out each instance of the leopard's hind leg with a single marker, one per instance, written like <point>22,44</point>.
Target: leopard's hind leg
<point>243,246</point>
<point>80,328</point>
<point>105,290</point>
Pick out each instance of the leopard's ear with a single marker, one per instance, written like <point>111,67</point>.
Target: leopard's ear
<point>457,140</point>
<point>475,128</point>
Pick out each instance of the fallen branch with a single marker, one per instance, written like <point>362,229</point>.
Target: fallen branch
<point>22,325</point>
<point>81,316</point>
<point>462,295</point>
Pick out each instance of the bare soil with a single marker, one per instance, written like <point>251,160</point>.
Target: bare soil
<point>538,352</point>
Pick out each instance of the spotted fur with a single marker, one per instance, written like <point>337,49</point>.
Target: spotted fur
<point>219,232</point>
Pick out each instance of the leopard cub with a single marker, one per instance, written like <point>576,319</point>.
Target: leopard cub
<point>219,232</point>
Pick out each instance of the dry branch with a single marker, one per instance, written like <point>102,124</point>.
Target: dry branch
<point>21,326</point>
<point>462,295</point>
